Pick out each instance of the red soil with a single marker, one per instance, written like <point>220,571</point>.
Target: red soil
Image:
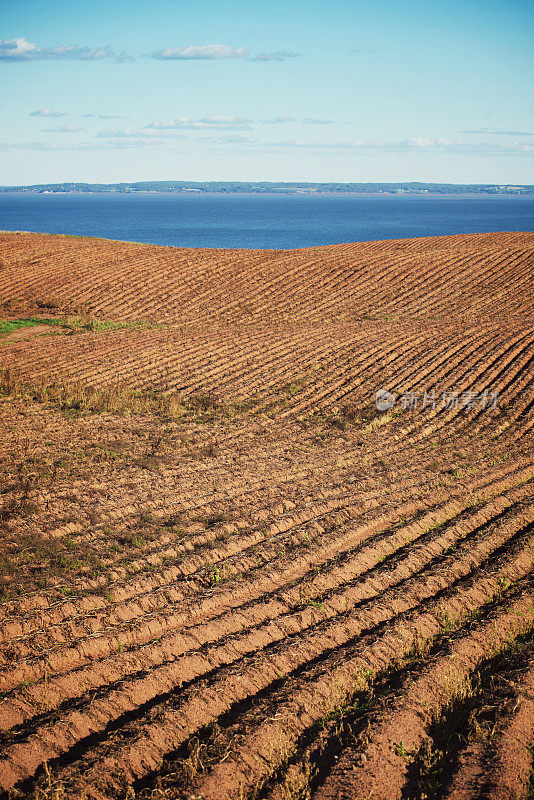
<point>281,599</point>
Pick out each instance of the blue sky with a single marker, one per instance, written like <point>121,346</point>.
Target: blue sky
<point>392,90</point>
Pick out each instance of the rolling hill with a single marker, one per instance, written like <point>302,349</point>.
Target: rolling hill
<point>226,573</point>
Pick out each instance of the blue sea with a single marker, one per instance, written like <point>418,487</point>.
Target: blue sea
<point>261,221</point>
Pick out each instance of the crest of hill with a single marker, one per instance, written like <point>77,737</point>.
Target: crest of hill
<point>463,276</point>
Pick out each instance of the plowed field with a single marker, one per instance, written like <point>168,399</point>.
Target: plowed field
<point>225,573</point>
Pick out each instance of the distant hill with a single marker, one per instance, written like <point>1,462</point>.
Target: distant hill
<point>251,187</point>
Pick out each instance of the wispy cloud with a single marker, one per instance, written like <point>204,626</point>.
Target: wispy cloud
<point>200,123</point>
<point>416,144</point>
<point>304,121</point>
<point>499,132</point>
<point>209,52</point>
<point>131,138</point>
<point>279,55</point>
<point>202,52</point>
<point>278,120</point>
<point>22,50</point>
<point>106,116</point>
<point>234,138</point>
<point>465,148</point>
<point>64,129</point>
<point>123,144</point>
<point>172,128</point>
<point>47,112</point>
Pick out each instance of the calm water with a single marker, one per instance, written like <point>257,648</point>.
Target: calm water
<point>273,221</point>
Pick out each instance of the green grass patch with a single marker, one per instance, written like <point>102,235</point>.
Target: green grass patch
<point>9,327</point>
<point>78,324</point>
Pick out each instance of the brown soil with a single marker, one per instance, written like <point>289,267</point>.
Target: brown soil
<point>224,573</point>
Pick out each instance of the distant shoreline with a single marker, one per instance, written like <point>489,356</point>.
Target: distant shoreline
<point>419,195</point>
<point>293,188</point>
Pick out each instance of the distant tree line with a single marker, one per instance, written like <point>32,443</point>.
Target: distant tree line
<point>244,187</point>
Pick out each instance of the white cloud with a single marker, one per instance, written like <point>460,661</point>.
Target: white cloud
<point>279,55</point>
<point>160,131</point>
<point>419,144</point>
<point>13,49</point>
<point>199,52</point>
<point>22,50</point>
<point>278,120</point>
<point>130,138</point>
<point>47,112</point>
<point>234,138</point>
<point>419,141</point>
<point>76,146</point>
<point>106,116</point>
<point>304,121</point>
<point>217,51</point>
<point>32,146</point>
<point>200,123</point>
